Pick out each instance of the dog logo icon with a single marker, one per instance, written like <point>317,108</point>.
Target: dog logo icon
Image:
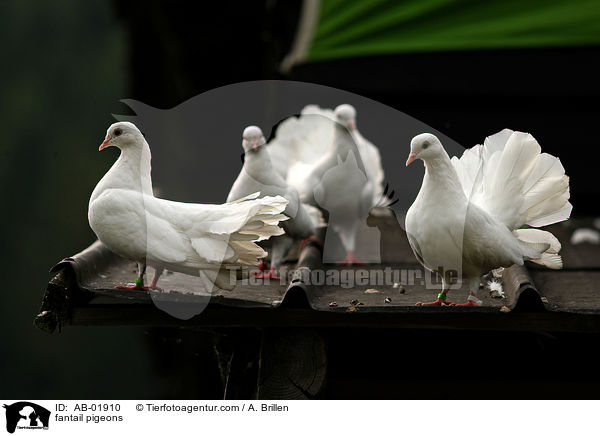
<point>26,415</point>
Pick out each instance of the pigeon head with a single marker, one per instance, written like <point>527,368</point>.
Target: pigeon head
<point>123,135</point>
<point>345,114</point>
<point>424,146</point>
<point>252,138</point>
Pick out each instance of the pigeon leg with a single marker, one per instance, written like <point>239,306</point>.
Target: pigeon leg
<point>350,260</point>
<point>472,300</point>
<point>157,274</point>
<point>440,301</point>
<point>281,247</point>
<point>139,282</point>
<point>261,269</point>
<point>314,239</point>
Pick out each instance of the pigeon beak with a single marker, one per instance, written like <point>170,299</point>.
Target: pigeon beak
<point>411,157</point>
<point>352,125</point>
<point>255,145</point>
<point>105,143</point>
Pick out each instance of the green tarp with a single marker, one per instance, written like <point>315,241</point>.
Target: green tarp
<point>374,27</point>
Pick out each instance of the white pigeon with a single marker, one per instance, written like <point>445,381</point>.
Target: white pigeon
<point>337,183</point>
<point>258,175</point>
<point>369,153</point>
<point>301,141</point>
<point>344,191</point>
<point>469,212</point>
<point>194,239</point>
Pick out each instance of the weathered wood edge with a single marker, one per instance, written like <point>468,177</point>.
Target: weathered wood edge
<point>65,302</point>
<point>216,316</point>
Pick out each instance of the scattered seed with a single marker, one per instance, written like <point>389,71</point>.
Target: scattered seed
<point>388,300</point>
<point>372,291</point>
<point>504,309</point>
<point>544,300</point>
<point>351,309</point>
<point>333,304</point>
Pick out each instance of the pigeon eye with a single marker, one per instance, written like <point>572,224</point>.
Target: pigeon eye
<point>425,145</point>
<point>118,132</point>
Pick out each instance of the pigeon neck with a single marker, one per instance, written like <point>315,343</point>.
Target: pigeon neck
<point>136,160</point>
<point>258,165</point>
<point>344,143</point>
<point>131,171</point>
<point>440,171</point>
<point>344,136</point>
<point>437,163</point>
<point>259,152</point>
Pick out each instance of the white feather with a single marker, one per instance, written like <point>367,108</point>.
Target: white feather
<point>519,184</point>
<point>301,142</point>
<point>550,257</point>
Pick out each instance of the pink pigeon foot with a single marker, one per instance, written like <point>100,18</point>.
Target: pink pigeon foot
<point>269,275</point>
<point>438,302</point>
<point>139,286</point>
<point>134,287</point>
<point>261,269</point>
<point>350,260</point>
<point>469,303</point>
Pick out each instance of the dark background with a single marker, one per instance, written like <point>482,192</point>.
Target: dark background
<point>67,64</point>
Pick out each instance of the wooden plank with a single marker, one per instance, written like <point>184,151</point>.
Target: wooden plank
<point>571,291</point>
<point>438,318</point>
<point>293,364</point>
<point>88,279</point>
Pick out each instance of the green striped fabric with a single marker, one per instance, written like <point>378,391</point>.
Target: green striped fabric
<point>376,27</point>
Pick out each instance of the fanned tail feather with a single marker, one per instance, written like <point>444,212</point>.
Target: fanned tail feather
<point>549,257</point>
<point>301,140</point>
<point>260,219</point>
<point>533,250</point>
<point>512,180</point>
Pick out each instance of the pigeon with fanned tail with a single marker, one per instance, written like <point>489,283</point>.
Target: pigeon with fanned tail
<point>258,175</point>
<point>469,212</point>
<point>300,142</point>
<point>195,239</point>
